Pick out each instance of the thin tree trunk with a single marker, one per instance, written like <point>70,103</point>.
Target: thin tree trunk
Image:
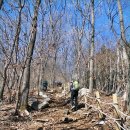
<point>110,77</point>
<point>4,82</point>
<point>18,92</point>
<point>26,75</point>
<point>16,42</point>
<point>2,89</point>
<point>92,49</point>
<point>1,3</point>
<point>18,30</point>
<point>118,69</point>
<point>5,71</point>
<point>128,86</point>
<point>118,63</point>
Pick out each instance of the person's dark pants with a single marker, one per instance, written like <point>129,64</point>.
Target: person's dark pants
<point>74,98</point>
<point>44,88</point>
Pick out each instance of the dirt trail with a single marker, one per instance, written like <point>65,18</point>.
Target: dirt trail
<point>57,116</point>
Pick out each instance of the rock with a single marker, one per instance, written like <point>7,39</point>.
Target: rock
<point>26,113</point>
<point>83,91</point>
<point>66,112</point>
<point>43,105</point>
<point>34,105</point>
<point>100,122</point>
<point>47,99</point>
<point>66,119</point>
<point>32,100</point>
<point>43,95</point>
<point>50,91</point>
<point>42,120</point>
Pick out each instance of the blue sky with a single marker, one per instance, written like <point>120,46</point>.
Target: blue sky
<point>104,34</point>
<point>102,26</point>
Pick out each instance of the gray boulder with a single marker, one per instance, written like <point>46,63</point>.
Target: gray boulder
<point>34,105</point>
<point>43,105</point>
<point>83,91</point>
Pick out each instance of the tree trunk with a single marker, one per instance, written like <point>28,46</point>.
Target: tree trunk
<point>92,49</point>
<point>8,61</point>
<point>127,48</point>
<point>128,86</point>
<point>26,75</point>
<point>118,84</point>
<point>4,82</point>
<point>1,3</point>
<point>110,86</point>
<point>15,76</point>
<point>2,89</point>
<point>118,63</point>
<point>15,45</point>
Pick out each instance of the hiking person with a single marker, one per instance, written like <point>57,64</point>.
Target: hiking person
<point>44,85</point>
<point>74,88</point>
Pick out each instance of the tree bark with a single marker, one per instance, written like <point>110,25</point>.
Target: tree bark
<point>92,49</point>
<point>26,75</point>
<point>8,61</point>
<point>1,3</point>
<point>4,82</point>
<point>127,48</point>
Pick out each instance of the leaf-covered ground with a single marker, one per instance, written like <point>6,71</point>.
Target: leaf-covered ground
<point>58,116</point>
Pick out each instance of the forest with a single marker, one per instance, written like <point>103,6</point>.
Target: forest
<point>59,41</point>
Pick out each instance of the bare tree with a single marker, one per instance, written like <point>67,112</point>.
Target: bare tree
<point>26,76</point>
<point>127,47</point>
<point>7,63</point>
<point>55,35</point>
<point>92,48</point>
<point>9,59</point>
<point>122,62</point>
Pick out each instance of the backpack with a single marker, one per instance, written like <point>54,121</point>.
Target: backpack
<point>76,85</point>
